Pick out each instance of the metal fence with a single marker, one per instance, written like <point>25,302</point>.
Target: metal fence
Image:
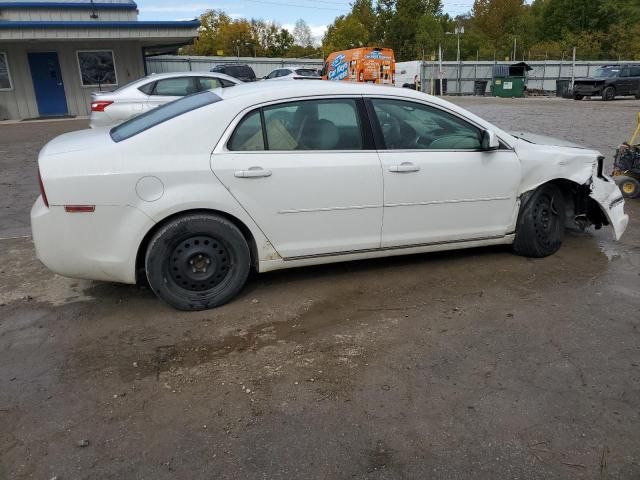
<point>461,76</point>
<point>261,65</point>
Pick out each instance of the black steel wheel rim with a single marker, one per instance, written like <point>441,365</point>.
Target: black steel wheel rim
<point>545,217</point>
<point>198,263</point>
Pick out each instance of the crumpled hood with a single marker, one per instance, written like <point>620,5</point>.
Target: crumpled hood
<point>545,140</point>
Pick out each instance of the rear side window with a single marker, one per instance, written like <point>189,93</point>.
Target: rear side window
<point>147,88</point>
<point>175,87</point>
<point>307,72</point>
<point>248,134</point>
<point>207,83</point>
<point>635,71</point>
<point>161,114</point>
<point>331,124</point>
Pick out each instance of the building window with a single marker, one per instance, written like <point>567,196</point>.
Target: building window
<point>5,76</point>
<point>97,68</point>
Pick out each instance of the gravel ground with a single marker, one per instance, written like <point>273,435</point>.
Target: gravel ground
<point>460,365</point>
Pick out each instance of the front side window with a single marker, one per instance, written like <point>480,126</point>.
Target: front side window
<point>5,77</point>
<point>635,71</point>
<point>161,114</point>
<point>175,87</point>
<point>97,68</point>
<point>414,126</point>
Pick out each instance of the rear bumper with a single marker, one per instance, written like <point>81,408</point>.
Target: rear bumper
<point>102,245</point>
<point>100,119</point>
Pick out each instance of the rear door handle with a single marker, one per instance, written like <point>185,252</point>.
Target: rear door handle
<point>404,167</point>
<point>253,172</point>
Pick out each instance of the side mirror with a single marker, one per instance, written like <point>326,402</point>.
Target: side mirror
<point>489,141</point>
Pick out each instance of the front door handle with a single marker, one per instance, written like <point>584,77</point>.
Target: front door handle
<point>253,172</point>
<point>404,167</point>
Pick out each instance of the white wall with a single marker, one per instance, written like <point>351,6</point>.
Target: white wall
<point>20,102</point>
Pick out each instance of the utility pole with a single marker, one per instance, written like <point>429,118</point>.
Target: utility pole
<point>573,68</point>
<point>440,68</point>
<point>515,43</point>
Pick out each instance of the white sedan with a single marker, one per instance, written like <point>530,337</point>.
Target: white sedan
<point>111,108</point>
<point>294,74</point>
<point>192,195</point>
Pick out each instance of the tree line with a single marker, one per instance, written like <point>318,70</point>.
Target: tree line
<point>222,35</point>
<point>416,29</point>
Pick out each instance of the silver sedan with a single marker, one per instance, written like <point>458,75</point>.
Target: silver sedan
<point>111,108</point>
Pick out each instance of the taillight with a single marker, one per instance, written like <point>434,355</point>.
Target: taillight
<point>100,105</point>
<point>42,192</point>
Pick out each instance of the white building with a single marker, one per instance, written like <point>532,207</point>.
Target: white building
<point>53,54</point>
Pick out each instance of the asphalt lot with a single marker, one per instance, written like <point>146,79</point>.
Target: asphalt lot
<point>461,365</point>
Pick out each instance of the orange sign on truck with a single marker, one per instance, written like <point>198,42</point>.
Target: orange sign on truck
<point>366,64</point>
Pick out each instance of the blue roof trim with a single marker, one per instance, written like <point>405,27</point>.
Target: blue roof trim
<point>82,5</point>
<point>8,25</point>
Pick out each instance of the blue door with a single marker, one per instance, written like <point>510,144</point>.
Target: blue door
<point>47,83</point>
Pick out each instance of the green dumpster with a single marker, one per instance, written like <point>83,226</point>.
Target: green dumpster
<point>509,80</point>
<point>508,87</point>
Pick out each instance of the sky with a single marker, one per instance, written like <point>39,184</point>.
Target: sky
<point>317,13</point>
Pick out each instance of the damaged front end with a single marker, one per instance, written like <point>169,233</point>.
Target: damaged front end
<point>599,202</point>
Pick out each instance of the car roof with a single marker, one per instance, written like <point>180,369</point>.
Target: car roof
<point>159,76</point>
<point>257,92</point>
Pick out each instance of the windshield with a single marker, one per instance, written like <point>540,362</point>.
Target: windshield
<point>161,114</point>
<point>607,72</point>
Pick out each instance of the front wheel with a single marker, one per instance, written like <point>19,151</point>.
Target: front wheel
<point>609,93</point>
<point>540,227</point>
<point>197,261</point>
<point>577,96</point>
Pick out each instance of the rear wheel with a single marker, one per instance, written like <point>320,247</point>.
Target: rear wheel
<point>197,261</point>
<point>609,93</point>
<point>540,227</point>
<point>629,186</point>
<point>577,96</point>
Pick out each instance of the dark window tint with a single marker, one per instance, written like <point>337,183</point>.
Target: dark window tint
<point>314,125</point>
<point>147,88</point>
<point>161,114</point>
<point>414,126</point>
<point>283,72</point>
<point>272,74</point>
<point>175,87</point>
<point>307,72</point>
<point>248,134</point>
<point>635,71</point>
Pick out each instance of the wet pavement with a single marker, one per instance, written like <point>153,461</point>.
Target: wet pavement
<point>459,365</point>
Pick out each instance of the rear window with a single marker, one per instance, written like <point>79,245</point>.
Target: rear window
<point>161,114</point>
